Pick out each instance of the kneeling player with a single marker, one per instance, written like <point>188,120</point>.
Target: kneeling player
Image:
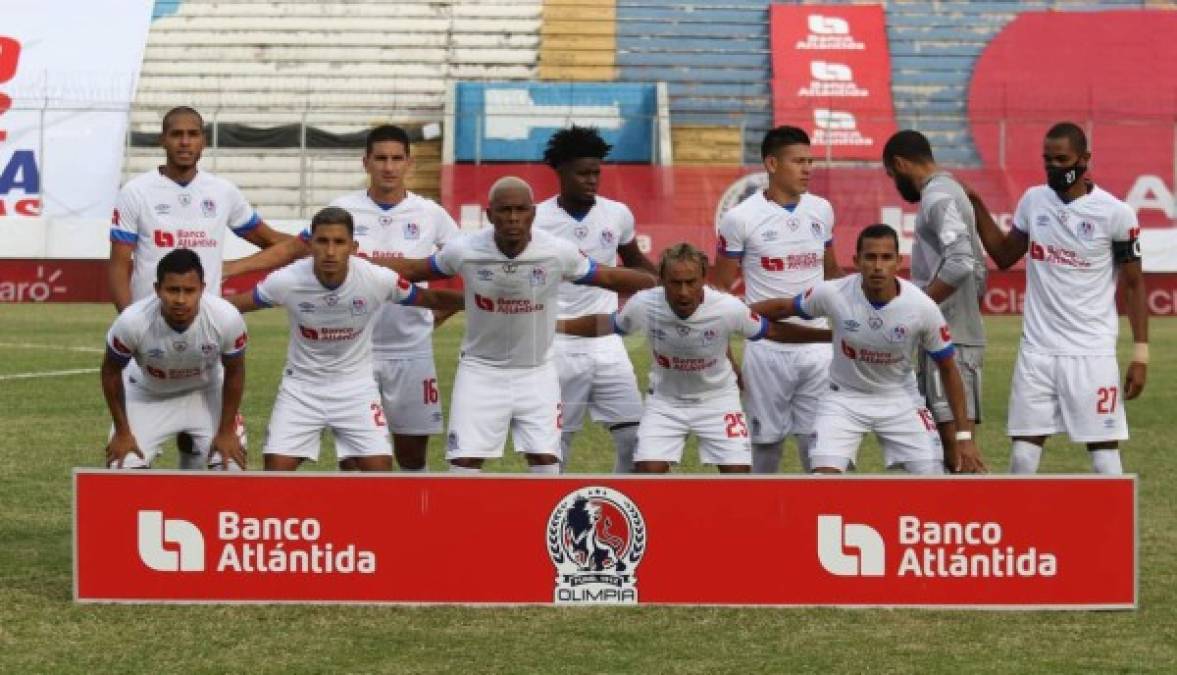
<point>879,321</point>
<point>692,384</point>
<point>327,383</point>
<point>188,374</point>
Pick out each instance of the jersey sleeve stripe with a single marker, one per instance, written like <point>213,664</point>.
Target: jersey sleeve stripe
<point>305,235</point>
<point>943,353</point>
<point>260,300</point>
<point>123,237</point>
<point>762,332</point>
<point>249,225</point>
<point>590,274</point>
<point>235,352</point>
<point>616,326</point>
<point>121,359</point>
<point>799,305</point>
<point>730,254</point>
<point>437,268</point>
<point>411,299</point>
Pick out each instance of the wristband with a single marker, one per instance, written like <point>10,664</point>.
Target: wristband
<point>1140,353</point>
<point>964,435</point>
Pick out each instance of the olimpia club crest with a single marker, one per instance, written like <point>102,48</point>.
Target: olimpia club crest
<point>596,539</point>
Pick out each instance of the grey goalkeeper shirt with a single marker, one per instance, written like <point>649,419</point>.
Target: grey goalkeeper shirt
<point>947,247</point>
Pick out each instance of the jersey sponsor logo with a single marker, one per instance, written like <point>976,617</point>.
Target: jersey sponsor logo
<point>241,341</point>
<point>851,325</point>
<point>378,254</point>
<point>772,264</point>
<point>208,208</point>
<point>833,539</point>
<point>596,538</point>
<point>484,303</point>
<point>329,334</point>
<point>185,199</point>
<point>185,551</point>
<point>308,332</point>
<point>849,351</point>
<point>155,372</point>
<point>1057,255</point>
<point>792,261</point>
<point>539,276</point>
<point>359,306</point>
<point>163,239</point>
<point>412,231</point>
<point>580,231</point>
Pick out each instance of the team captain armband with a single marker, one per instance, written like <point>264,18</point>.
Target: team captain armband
<point>1127,251</point>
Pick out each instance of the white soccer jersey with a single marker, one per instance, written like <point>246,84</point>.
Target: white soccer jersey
<point>413,228</point>
<point>1070,270</point>
<point>690,355</point>
<point>331,328</point>
<point>875,347</point>
<point>168,362</point>
<point>156,214</point>
<point>781,252</point>
<point>511,303</point>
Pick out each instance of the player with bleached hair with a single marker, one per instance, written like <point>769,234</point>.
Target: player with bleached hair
<point>880,322</point>
<point>332,300</point>
<point>692,384</point>
<point>189,374</point>
<point>506,378</point>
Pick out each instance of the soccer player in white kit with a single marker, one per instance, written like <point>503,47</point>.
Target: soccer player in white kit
<point>782,240</point>
<point>174,206</point>
<point>879,323</point>
<point>189,370</point>
<point>596,375</point>
<point>1080,240</point>
<point>506,378</point>
<point>692,383</point>
<point>332,300</point>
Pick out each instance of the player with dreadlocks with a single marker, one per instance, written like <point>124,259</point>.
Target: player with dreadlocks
<point>595,372</point>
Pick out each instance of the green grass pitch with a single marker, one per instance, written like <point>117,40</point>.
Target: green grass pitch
<point>51,424</point>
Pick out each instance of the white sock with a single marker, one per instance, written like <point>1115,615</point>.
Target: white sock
<point>625,443</point>
<point>544,468</point>
<point>1024,457</point>
<point>1106,461</point>
<point>464,470</point>
<point>193,461</point>
<point>766,457</point>
<point>565,449</point>
<point>805,445</point>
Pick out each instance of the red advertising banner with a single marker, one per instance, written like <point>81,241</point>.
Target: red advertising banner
<point>879,541</point>
<point>831,72</point>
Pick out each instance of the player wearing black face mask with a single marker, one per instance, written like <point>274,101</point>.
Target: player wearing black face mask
<point>948,264</point>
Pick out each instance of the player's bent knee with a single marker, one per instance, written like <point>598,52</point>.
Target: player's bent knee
<point>541,458</point>
<point>735,468</point>
<point>374,463</point>
<point>652,467</point>
<point>467,462</point>
<point>282,462</point>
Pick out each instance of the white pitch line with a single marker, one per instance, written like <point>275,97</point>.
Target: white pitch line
<point>64,348</point>
<point>47,373</point>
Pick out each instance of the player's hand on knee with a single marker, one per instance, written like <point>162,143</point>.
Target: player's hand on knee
<point>119,447</point>
<point>1134,380</point>
<point>228,444</point>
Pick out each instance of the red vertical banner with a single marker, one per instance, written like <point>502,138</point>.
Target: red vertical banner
<point>831,73</point>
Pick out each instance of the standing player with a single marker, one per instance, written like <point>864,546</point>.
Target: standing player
<point>177,206</point>
<point>692,384</point>
<point>879,321</point>
<point>1080,239</point>
<point>595,373</point>
<point>948,265</point>
<point>782,240</point>
<point>190,349</point>
<point>331,301</point>
<point>506,379</point>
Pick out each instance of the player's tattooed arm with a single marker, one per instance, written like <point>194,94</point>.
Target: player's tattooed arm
<point>632,257</point>
<point>123,442</point>
<point>964,456</point>
<point>793,334</point>
<point>1005,248</point>
<point>1133,293</point>
<point>226,440</point>
<point>589,325</point>
<point>276,254</point>
<point>440,299</point>
<point>118,273</point>
<point>622,280</point>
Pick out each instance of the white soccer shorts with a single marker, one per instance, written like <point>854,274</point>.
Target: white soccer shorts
<point>905,429</point>
<point>489,401</point>
<point>349,408</point>
<point>601,383</point>
<point>409,394</point>
<point>783,389</point>
<point>155,419</point>
<point>1080,395</point>
<point>719,424</point>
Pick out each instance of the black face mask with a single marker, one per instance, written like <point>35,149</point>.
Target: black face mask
<point>1061,178</point>
<point>907,188</point>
